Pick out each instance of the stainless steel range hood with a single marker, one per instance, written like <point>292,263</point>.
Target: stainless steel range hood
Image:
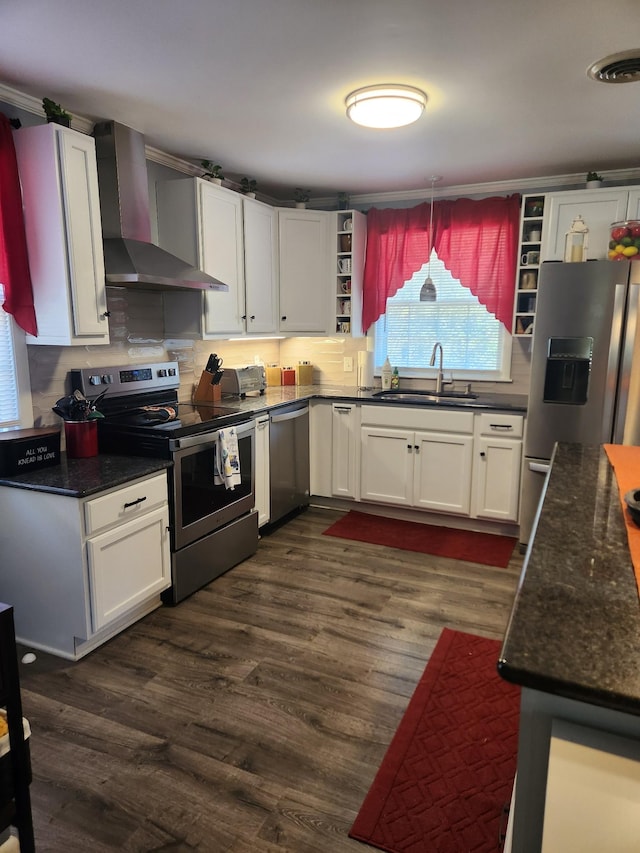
<point>130,258</point>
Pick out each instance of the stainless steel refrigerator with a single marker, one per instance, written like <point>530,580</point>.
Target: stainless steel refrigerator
<point>585,366</point>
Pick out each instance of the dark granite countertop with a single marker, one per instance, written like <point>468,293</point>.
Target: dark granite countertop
<point>574,626</point>
<point>81,477</point>
<point>78,478</point>
<point>275,396</point>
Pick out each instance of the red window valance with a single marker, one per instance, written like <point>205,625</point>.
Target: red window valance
<point>477,241</point>
<point>14,261</point>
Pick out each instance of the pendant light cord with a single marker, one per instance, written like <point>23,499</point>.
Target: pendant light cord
<point>433,181</point>
<point>428,291</point>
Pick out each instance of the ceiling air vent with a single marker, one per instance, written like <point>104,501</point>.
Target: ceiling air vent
<point>618,68</point>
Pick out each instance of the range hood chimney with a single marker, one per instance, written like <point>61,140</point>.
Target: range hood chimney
<point>130,258</point>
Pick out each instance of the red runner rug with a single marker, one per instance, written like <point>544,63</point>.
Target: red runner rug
<point>487,548</point>
<point>448,773</point>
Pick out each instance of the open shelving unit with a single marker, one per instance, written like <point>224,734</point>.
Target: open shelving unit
<point>528,269</point>
<point>351,235</point>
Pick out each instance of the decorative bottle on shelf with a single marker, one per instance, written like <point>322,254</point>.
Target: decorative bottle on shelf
<point>386,375</point>
<point>395,378</point>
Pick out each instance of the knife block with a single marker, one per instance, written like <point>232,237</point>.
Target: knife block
<point>206,392</point>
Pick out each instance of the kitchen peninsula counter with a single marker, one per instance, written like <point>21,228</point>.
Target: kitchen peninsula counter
<point>573,645</point>
<point>575,624</point>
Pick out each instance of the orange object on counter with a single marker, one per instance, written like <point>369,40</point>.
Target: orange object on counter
<point>625,461</point>
<point>288,376</point>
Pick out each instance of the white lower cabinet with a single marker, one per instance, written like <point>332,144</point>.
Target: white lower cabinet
<point>497,466</point>
<point>320,448</point>
<point>262,470</point>
<point>428,466</point>
<point>345,439</point>
<point>89,567</point>
<point>115,588</point>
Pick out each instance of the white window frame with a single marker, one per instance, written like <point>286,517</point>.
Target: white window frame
<point>501,375</point>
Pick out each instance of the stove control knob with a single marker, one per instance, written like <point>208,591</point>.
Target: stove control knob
<point>172,371</point>
<point>94,380</point>
<point>162,372</point>
<point>107,379</point>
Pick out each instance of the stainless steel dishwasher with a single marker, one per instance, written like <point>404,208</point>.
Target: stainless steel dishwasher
<point>289,459</point>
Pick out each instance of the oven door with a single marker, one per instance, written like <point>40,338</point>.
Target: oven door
<point>200,505</point>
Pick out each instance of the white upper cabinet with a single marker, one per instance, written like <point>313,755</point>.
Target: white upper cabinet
<point>306,258</point>
<point>201,223</point>
<point>598,208</point>
<point>229,237</point>
<point>59,179</point>
<point>260,249</point>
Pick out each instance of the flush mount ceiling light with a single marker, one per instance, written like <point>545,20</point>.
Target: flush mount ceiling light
<point>386,105</point>
<point>621,67</point>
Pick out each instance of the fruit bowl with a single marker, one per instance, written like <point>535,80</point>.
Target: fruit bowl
<point>624,240</point>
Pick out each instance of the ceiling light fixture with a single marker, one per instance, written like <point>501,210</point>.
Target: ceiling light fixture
<point>386,105</point>
<point>428,289</point>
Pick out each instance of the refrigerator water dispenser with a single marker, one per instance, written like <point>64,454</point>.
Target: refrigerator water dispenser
<point>567,371</point>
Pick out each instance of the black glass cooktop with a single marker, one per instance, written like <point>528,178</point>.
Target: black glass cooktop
<point>172,419</point>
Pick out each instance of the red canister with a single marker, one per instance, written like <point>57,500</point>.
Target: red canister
<point>288,376</point>
<point>81,438</point>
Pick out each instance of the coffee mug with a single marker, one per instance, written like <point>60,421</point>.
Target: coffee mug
<point>345,307</point>
<point>345,328</point>
<point>530,258</point>
<point>348,225</point>
<point>534,236</point>
<point>528,281</point>
<point>345,286</point>
<point>344,265</point>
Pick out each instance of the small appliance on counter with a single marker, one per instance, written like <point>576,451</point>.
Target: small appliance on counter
<point>240,381</point>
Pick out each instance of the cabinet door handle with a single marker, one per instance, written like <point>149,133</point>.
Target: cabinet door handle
<point>342,408</point>
<point>283,318</point>
<point>409,447</point>
<point>501,426</point>
<point>244,317</point>
<point>482,454</point>
<point>106,314</point>
<point>252,317</point>
<point>416,447</point>
<point>134,503</point>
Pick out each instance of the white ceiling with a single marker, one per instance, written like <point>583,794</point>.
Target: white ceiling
<point>259,85</point>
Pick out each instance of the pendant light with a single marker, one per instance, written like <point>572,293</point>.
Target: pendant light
<point>428,289</point>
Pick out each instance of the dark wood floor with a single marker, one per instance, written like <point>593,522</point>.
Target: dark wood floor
<point>253,716</point>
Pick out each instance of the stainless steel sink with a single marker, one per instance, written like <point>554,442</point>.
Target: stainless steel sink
<point>398,396</point>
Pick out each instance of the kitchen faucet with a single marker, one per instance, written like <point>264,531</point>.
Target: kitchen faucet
<point>440,376</point>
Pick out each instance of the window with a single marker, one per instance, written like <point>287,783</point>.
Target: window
<point>476,345</point>
<point>473,246</point>
<point>15,394</point>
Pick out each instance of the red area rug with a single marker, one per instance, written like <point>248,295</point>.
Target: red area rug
<point>448,773</point>
<point>486,548</point>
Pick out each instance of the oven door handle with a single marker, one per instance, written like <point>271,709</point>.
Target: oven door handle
<point>210,437</point>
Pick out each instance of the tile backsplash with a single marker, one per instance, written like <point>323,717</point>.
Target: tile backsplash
<point>136,330</point>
